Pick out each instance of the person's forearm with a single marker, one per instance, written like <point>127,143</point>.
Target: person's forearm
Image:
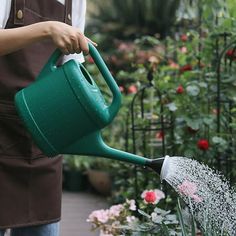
<point>14,39</point>
<point>65,37</point>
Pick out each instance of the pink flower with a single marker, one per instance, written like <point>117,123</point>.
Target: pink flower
<point>216,111</point>
<point>121,88</point>
<point>125,47</point>
<point>130,219</point>
<point>115,210</point>
<point>90,60</point>
<point>189,189</point>
<point>173,65</point>
<point>183,50</point>
<point>152,196</point>
<point>132,89</point>
<point>153,60</point>
<point>99,215</point>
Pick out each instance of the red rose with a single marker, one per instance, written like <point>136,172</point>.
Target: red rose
<point>184,37</point>
<point>185,68</point>
<point>231,53</point>
<point>203,144</point>
<point>132,89</point>
<point>160,135</point>
<point>150,197</point>
<point>180,89</point>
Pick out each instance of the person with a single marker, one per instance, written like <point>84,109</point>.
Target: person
<point>30,183</point>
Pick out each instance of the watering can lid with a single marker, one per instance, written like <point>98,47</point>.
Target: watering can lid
<point>87,93</point>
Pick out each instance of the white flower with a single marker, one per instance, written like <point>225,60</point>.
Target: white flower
<point>156,218</point>
<point>130,219</point>
<point>132,205</point>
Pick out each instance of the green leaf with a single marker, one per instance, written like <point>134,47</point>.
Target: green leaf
<point>219,140</point>
<point>180,216</point>
<point>193,123</point>
<point>202,85</point>
<point>165,230</point>
<point>193,226</point>
<point>144,214</point>
<point>208,120</point>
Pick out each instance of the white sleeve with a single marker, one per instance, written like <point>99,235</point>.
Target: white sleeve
<point>4,12</point>
<point>78,21</point>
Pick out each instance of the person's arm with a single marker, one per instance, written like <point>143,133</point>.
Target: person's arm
<point>67,38</point>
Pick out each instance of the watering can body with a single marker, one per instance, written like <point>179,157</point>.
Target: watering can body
<point>64,110</point>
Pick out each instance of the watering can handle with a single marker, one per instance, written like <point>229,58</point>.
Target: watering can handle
<point>115,105</point>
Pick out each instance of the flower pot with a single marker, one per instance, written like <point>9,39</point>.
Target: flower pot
<point>100,181</point>
<point>74,180</point>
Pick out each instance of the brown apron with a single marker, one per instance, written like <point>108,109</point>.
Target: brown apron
<point>30,183</point>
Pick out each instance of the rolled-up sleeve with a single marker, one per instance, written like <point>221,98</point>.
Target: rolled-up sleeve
<point>4,12</point>
<point>78,21</point>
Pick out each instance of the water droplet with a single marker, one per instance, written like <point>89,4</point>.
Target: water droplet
<point>205,191</point>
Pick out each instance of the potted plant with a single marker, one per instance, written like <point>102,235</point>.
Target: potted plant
<point>99,175</point>
<point>74,172</point>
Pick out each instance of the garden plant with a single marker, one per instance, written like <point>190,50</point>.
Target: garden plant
<point>191,72</point>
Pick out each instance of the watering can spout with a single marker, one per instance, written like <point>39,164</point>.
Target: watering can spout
<point>93,145</point>
<point>156,164</point>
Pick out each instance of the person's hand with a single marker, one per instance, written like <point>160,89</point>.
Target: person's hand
<point>68,39</point>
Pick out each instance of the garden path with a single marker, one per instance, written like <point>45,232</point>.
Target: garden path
<point>75,209</point>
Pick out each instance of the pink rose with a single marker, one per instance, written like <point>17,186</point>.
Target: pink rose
<point>152,196</point>
<point>189,189</point>
<point>132,89</point>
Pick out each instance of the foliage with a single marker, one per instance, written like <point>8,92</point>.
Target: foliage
<point>189,72</point>
<point>128,18</point>
<point>149,219</point>
<point>75,162</point>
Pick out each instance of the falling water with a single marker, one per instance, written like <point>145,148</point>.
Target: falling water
<point>208,194</point>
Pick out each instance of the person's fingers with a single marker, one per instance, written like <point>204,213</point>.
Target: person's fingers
<point>69,47</point>
<point>89,40</point>
<point>76,46</point>
<point>65,51</point>
<point>83,44</point>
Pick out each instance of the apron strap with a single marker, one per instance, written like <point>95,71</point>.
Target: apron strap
<point>68,12</point>
<point>19,12</point>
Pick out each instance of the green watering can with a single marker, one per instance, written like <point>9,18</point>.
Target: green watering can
<point>65,111</point>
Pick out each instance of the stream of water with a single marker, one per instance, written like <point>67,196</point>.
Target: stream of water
<point>208,194</point>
